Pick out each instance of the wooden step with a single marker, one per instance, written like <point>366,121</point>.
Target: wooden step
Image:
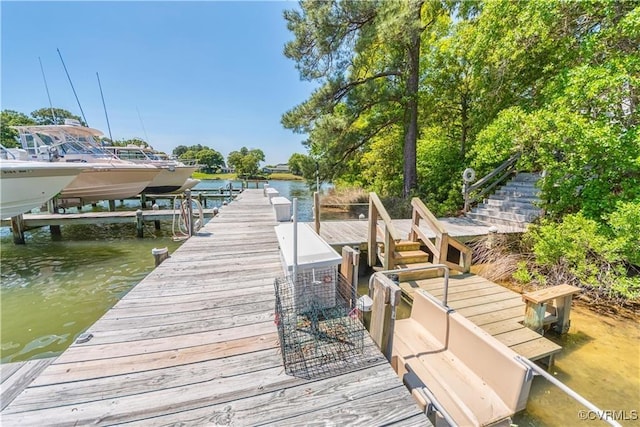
<point>407,245</point>
<point>417,275</point>
<point>411,257</point>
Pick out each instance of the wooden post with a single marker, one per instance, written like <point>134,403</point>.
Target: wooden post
<point>143,200</point>
<point>56,233</point>
<point>139,224</point>
<point>534,316</point>
<point>386,297</point>
<point>563,312</point>
<point>156,224</point>
<point>349,269</point>
<point>159,255</point>
<point>373,234</point>
<point>112,205</point>
<point>17,228</point>
<point>316,210</point>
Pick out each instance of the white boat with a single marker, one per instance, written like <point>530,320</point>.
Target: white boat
<point>175,176</point>
<point>108,178</point>
<point>25,185</point>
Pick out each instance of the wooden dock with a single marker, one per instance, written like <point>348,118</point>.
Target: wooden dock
<point>354,232</point>
<point>494,308</point>
<point>118,217</point>
<point>195,343</point>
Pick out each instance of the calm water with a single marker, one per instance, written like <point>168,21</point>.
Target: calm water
<point>50,292</point>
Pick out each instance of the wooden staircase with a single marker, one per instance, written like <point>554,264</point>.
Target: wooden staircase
<point>416,250</point>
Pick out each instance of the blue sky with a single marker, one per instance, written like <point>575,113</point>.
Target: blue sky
<point>205,72</point>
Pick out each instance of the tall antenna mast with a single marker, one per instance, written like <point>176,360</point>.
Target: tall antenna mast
<point>72,88</point>
<point>53,113</point>
<point>143,129</point>
<point>105,107</point>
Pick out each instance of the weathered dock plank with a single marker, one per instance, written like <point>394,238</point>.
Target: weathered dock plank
<point>195,343</point>
<point>17,376</point>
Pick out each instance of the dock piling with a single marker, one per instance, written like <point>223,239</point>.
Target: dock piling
<point>17,228</point>
<point>139,224</point>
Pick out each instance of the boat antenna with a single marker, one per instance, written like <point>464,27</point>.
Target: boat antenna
<point>53,113</point>
<point>105,107</point>
<point>72,88</point>
<point>143,129</point>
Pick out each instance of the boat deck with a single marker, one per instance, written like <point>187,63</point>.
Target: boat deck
<point>195,343</point>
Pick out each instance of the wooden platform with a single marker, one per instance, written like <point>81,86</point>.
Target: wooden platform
<point>494,308</point>
<point>354,232</point>
<point>195,343</point>
<point>118,217</point>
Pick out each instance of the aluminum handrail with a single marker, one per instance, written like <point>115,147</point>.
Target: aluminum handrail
<point>603,415</point>
<point>427,267</point>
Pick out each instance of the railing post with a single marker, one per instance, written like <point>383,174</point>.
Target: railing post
<point>386,297</point>
<point>373,233</point>
<point>187,194</point>
<point>316,210</point>
<point>465,195</point>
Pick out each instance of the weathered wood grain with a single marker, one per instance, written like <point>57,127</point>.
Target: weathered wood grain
<point>17,376</point>
<point>195,343</point>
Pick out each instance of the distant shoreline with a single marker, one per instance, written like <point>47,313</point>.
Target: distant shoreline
<point>234,177</point>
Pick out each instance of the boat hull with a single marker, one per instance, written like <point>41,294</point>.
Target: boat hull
<point>110,182</point>
<point>28,185</point>
<point>170,179</point>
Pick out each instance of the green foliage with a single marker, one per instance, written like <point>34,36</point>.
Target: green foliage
<point>579,250</point>
<point>44,116</point>
<point>12,118</point>
<point>246,162</point>
<point>625,229</point>
<point>125,142</point>
<point>365,55</point>
<point>210,159</point>
<point>522,274</point>
<point>296,163</point>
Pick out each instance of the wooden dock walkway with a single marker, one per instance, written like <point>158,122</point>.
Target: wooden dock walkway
<point>354,232</point>
<point>195,343</point>
<point>494,308</point>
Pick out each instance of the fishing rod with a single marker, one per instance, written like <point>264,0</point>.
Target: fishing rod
<point>53,113</point>
<point>105,107</point>
<point>72,88</point>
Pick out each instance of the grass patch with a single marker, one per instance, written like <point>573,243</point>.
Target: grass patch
<point>202,175</point>
<point>285,177</point>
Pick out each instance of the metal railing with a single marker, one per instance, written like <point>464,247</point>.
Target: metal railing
<point>474,192</point>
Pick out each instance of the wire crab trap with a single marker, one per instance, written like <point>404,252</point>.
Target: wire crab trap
<point>319,327</point>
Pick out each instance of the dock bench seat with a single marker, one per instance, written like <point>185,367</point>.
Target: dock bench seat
<point>477,379</point>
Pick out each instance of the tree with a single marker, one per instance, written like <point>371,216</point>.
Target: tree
<point>44,116</point>
<point>133,141</point>
<point>12,118</point>
<point>246,162</point>
<point>180,150</point>
<point>211,159</point>
<point>366,55</point>
<point>296,162</point>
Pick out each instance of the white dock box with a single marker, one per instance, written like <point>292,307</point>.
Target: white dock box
<point>282,207</point>
<point>271,193</point>
<point>318,263</point>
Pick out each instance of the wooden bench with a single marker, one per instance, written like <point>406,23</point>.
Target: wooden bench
<point>549,307</point>
<point>476,379</point>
